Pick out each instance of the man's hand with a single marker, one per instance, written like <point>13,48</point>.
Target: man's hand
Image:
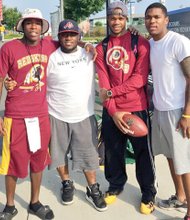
<point>133,30</point>
<point>119,122</point>
<point>9,84</point>
<point>90,48</point>
<point>103,95</point>
<point>2,129</point>
<point>184,126</point>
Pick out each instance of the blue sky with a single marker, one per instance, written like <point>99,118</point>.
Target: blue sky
<point>48,6</point>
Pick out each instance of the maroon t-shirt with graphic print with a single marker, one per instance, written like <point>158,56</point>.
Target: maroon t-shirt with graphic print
<point>27,66</point>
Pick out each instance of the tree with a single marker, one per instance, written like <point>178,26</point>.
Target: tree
<point>10,17</point>
<point>98,24</point>
<point>81,9</point>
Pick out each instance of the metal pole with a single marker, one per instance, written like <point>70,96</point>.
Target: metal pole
<point>61,9</point>
<point>107,27</point>
<point>130,19</point>
<point>130,13</point>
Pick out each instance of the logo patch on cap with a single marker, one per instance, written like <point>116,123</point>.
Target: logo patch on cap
<point>69,25</point>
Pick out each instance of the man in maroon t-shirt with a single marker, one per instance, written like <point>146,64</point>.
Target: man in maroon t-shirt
<point>26,127</point>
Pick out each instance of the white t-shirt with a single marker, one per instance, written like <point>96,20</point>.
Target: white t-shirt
<point>70,85</point>
<point>168,79</point>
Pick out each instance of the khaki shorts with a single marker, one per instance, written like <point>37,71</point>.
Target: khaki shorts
<point>169,142</point>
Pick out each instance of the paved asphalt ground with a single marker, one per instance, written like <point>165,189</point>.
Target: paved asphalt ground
<point>125,208</point>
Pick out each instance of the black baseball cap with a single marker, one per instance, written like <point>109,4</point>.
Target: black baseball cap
<point>68,25</point>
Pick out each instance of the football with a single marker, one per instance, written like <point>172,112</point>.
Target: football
<point>136,124</point>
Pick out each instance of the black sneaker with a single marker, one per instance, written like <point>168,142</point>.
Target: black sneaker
<point>95,197</point>
<point>8,215</point>
<point>67,192</point>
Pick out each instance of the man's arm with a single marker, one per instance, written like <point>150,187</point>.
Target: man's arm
<point>1,86</point>
<point>3,72</point>
<point>104,81</point>
<point>89,48</point>
<point>2,130</point>
<point>185,65</point>
<point>184,122</point>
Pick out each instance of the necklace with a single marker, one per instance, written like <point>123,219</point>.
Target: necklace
<point>38,69</point>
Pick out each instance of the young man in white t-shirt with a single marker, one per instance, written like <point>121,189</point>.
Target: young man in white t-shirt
<point>71,97</point>
<point>170,62</point>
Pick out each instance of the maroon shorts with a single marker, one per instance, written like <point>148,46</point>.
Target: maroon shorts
<point>18,156</point>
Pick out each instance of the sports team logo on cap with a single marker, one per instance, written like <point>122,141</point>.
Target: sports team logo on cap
<point>69,25</point>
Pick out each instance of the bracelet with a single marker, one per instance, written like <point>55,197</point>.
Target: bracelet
<point>185,116</point>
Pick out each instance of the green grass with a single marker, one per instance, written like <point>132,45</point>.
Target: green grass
<point>11,36</point>
<point>93,39</point>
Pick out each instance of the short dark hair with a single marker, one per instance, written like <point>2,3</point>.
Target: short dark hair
<point>157,5</point>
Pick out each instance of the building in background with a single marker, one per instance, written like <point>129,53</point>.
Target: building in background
<point>137,20</point>
<point>179,19</point>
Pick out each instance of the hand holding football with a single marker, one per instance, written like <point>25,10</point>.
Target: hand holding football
<point>136,125</point>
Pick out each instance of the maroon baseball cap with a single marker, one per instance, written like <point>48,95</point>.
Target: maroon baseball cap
<point>68,25</point>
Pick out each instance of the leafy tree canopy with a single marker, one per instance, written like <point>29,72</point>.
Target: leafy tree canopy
<point>98,24</point>
<point>10,17</point>
<point>81,9</point>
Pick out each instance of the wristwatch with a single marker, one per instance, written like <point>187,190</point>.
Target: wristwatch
<point>109,93</point>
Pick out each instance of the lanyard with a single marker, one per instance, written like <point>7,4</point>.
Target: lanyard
<point>37,70</point>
